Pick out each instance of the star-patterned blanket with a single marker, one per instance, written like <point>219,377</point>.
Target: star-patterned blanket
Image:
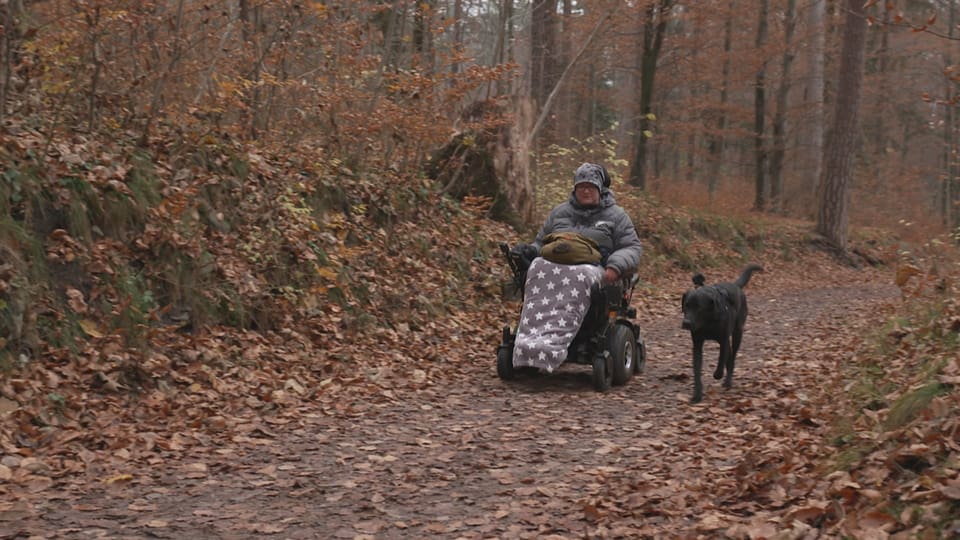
<point>556,299</point>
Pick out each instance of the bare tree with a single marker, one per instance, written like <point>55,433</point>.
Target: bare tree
<point>422,32</point>
<point>503,51</point>
<point>816,22</point>
<point>780,114</point>
<point>716,143</point>
<point>834,197</point>
<point>458,24</point>
<point>759,114</point>
<point>567,119</point>
<point>174,57</point>
<point>948,194</point>
<point>10,12</point>
<point>654,28</point>
<point>543,54</point>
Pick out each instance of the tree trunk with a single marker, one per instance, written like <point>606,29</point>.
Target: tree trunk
<point>949,161</point>
<point>717,140</point>
<point>458,24</point>
<point>817,29</point>
<point>590,126</point>
<point>567,121</point>
<point>519,187</point>
<point>10,15</point>
<point>250,19</point>
<point>175,55</point>
<point>422,33</point>
<point>948,195</point>
<point>780,115</point>
<point>759,115</point>
<point>694,113</point>
<point>834,198</point>
<point>877,132</point>
<point>654,28</point>
<point>7,44</point>
<point>502,51</point>
<point>543,43</point>
<point>93,27</point>
<point>391,25</point>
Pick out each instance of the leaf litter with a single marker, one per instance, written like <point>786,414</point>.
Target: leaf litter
<point>411,434</point>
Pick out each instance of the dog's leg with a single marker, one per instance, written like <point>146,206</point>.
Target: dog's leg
<point>723,363</point>
<point>732,360</point>
<point>697,367</point>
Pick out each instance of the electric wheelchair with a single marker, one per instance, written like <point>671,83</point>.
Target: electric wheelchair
<point>608,339</point>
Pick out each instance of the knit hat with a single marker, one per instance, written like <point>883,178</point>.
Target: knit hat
<point>589,173</point>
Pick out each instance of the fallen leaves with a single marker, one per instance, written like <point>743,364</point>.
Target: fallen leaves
<point>118,478</point>
<point>403,430</point>
<point>7,406</point>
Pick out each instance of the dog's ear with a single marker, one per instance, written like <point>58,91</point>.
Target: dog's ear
<point>699,279</point>
<point>683,301</point>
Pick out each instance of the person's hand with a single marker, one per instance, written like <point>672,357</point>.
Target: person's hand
<point>611,275</point>
<point>526,253</point>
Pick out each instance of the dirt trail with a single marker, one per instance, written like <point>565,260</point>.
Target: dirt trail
<point>545,456</point>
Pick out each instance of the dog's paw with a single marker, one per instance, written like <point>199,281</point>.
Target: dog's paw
<point>718,374</point>
<point>696,399</point>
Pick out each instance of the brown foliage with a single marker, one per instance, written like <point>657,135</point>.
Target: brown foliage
<point>276,71</point>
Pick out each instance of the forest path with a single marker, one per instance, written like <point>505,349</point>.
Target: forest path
<point>470,456</point>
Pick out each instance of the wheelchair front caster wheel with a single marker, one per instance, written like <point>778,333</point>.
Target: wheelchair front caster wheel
<point>602,372</point>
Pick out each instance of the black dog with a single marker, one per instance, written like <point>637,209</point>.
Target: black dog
<point>718,313</point>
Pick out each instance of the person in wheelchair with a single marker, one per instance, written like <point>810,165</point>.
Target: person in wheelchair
<point>557,295</point>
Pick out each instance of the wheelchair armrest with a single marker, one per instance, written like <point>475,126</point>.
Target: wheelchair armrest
<point>629,281</point>
<point>620,293</point>
<point>518,267</point>
<point>610,295</point>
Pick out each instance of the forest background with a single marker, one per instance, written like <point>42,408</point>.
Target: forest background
<point>207,171</point>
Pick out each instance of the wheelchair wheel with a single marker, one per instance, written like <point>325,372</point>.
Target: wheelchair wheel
<point>622,346</point>
<point>505,356</point>
<point>505,363</point>
<point>641,361</point>
<point>602,372</point>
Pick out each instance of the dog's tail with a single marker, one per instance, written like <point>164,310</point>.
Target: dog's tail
<point>747,272</point>
<point>699,280</point>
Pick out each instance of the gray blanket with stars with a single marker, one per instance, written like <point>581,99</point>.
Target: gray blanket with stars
<point>556,299</point>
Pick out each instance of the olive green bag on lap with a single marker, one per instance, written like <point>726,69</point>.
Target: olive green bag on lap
<point>570,248</point>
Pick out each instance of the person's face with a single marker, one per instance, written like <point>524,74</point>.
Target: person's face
<point>587,194</point>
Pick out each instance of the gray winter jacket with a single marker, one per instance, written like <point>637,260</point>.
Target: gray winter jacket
<point>607,224</point>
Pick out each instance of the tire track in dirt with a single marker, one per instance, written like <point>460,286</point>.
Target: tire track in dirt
<point>545,456</point>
